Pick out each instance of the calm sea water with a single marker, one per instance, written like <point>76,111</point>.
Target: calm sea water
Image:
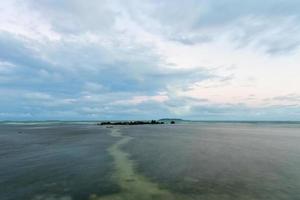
<point>51,161</point>
<point>198,161</point>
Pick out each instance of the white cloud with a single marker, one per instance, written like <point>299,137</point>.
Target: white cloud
<point>148,58</point>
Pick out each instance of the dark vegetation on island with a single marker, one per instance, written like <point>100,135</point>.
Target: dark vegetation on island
<point>133,122</point>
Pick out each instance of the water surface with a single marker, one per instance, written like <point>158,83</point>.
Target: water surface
<point>54,162</point>
<point>190,161</point>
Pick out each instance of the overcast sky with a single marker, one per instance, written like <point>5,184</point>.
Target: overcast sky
<point>133,59</point>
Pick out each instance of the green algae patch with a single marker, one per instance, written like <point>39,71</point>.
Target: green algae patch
<point>133,186</point>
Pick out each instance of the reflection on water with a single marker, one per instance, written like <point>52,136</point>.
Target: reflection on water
<point>194,161</point>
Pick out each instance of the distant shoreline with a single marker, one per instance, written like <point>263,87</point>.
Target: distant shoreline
<point>166,121</point>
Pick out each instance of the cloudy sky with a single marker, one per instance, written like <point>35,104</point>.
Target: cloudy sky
<point>193,59</point>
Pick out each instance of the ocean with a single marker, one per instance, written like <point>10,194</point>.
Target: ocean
<point>200,160</point>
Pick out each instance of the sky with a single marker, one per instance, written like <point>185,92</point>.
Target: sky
<point>150,59</point>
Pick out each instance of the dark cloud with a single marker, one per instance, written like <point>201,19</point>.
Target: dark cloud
<point>81,79</point>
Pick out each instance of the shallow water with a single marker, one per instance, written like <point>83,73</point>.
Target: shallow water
<point>193,161</point>
<point>220,161</point>
<point>54,162</point>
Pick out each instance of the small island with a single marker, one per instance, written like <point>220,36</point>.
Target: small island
<point>130,122</point>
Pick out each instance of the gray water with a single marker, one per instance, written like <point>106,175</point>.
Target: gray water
<point>54,162</point>
<point>191,161</point>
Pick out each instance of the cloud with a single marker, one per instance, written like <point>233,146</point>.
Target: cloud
<point>248,23</point>
<point>69,75</point>
<point>147,59</point>
<point>287,99</point>
<point>76,16</point>
<point>141,99</point>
